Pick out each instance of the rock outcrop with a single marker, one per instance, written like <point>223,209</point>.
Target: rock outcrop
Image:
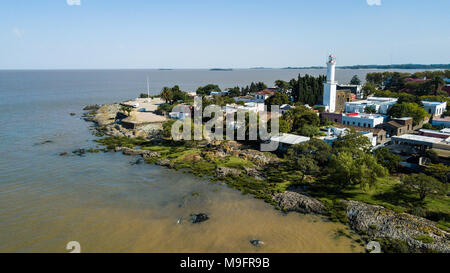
<point>253,172</point>
<point>294,201</point>
<point>379,222</point>
<point>224,171</point>
<point>144,153</point>
<point>106,114</point>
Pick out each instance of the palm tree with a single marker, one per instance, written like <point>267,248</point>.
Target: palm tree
<point>167,94</point>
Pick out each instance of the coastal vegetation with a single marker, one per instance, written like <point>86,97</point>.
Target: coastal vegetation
<point>347,171</point>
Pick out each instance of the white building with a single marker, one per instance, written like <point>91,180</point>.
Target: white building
<point>334,133</point>
<point>286,140</point>
<point>248,106</point>
<point>286,107</point>
<point>180,111</point>
<point>422,142</point>
<point>261,96</point>
<point>363,120</point>
<point>329,88</point>
<point>380,104</point>
<point>436,108</point>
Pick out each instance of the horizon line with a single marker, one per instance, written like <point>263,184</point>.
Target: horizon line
<point>227,68</point>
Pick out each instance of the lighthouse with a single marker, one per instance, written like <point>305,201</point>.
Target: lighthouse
<point>329,88</point>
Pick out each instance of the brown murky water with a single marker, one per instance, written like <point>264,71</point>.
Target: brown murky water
<point>141,215</point>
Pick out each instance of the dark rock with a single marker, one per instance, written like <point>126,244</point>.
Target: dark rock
<point>144,153</point>
<point>79,152</point>
<point>253,172</point>
<point>44,142</point>
<point>198,218</point>
<point>120,116</point>
<point>91,107</point>
<point>72,114</point>
<point>257,242</point>
<point>164,162</point>
<point>292,200</point>
<point>138,161</point>
<point>63,154</point>
<point>224,171</point>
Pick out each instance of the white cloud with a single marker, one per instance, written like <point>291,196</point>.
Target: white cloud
<point>373,2</point>
<point>73,2</point>
<point>18,32</point>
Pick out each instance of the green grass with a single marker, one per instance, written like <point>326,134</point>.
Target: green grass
<point>236,162</point>
<point>424,239</point>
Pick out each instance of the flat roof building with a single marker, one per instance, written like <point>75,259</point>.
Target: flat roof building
<point>436,108</point>
<point>285,140</point>
<point>379,104</point>
<point>362,120</point>
<point>442,122</point>
<point>421,142</point>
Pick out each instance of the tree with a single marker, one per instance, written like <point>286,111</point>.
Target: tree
<point>167,94</point>
<point>308,130</point>
<point>299,116</point>
<point>284,86</point>
<point>437,82</point>
<point>308,157</point>
<point>284,126</point>
<point>423,185</point>
<point>408,109</point>
<point>432,155</point>
<point>316,149</point>
<point>347,169</point>
<point>439,171</point>
<point>127,109</point>
<point>389,160</point>
<point>254,87</point>
<point>368,89</point>
<point>234,92</point>
<point>355,80</point>
<point>405,97</point>
<point>352,142</point>
<point>307,89</point>
<point>370,110</point>
<point>276,99</point>
<point>307,166</point>
<point>207,89</point>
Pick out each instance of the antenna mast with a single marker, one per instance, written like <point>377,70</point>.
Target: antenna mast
<point>148,89</point>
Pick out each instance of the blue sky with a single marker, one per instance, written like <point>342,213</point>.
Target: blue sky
<point>51,34</point>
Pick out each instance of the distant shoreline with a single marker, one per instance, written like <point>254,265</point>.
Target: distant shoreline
<point>376,66</point>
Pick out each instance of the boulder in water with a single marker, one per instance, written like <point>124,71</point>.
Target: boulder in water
<point>257,242</point>
<point>198,218</point>
<point>79,152</point>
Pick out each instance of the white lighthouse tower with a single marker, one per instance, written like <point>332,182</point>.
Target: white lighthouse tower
<point>329,88</point>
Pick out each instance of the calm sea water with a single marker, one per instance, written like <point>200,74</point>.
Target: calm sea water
<point>107,204</point>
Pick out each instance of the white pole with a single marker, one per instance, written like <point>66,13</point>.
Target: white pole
<point>148,90</point>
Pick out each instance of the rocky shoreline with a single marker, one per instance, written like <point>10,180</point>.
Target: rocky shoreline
<point>402,231</point>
